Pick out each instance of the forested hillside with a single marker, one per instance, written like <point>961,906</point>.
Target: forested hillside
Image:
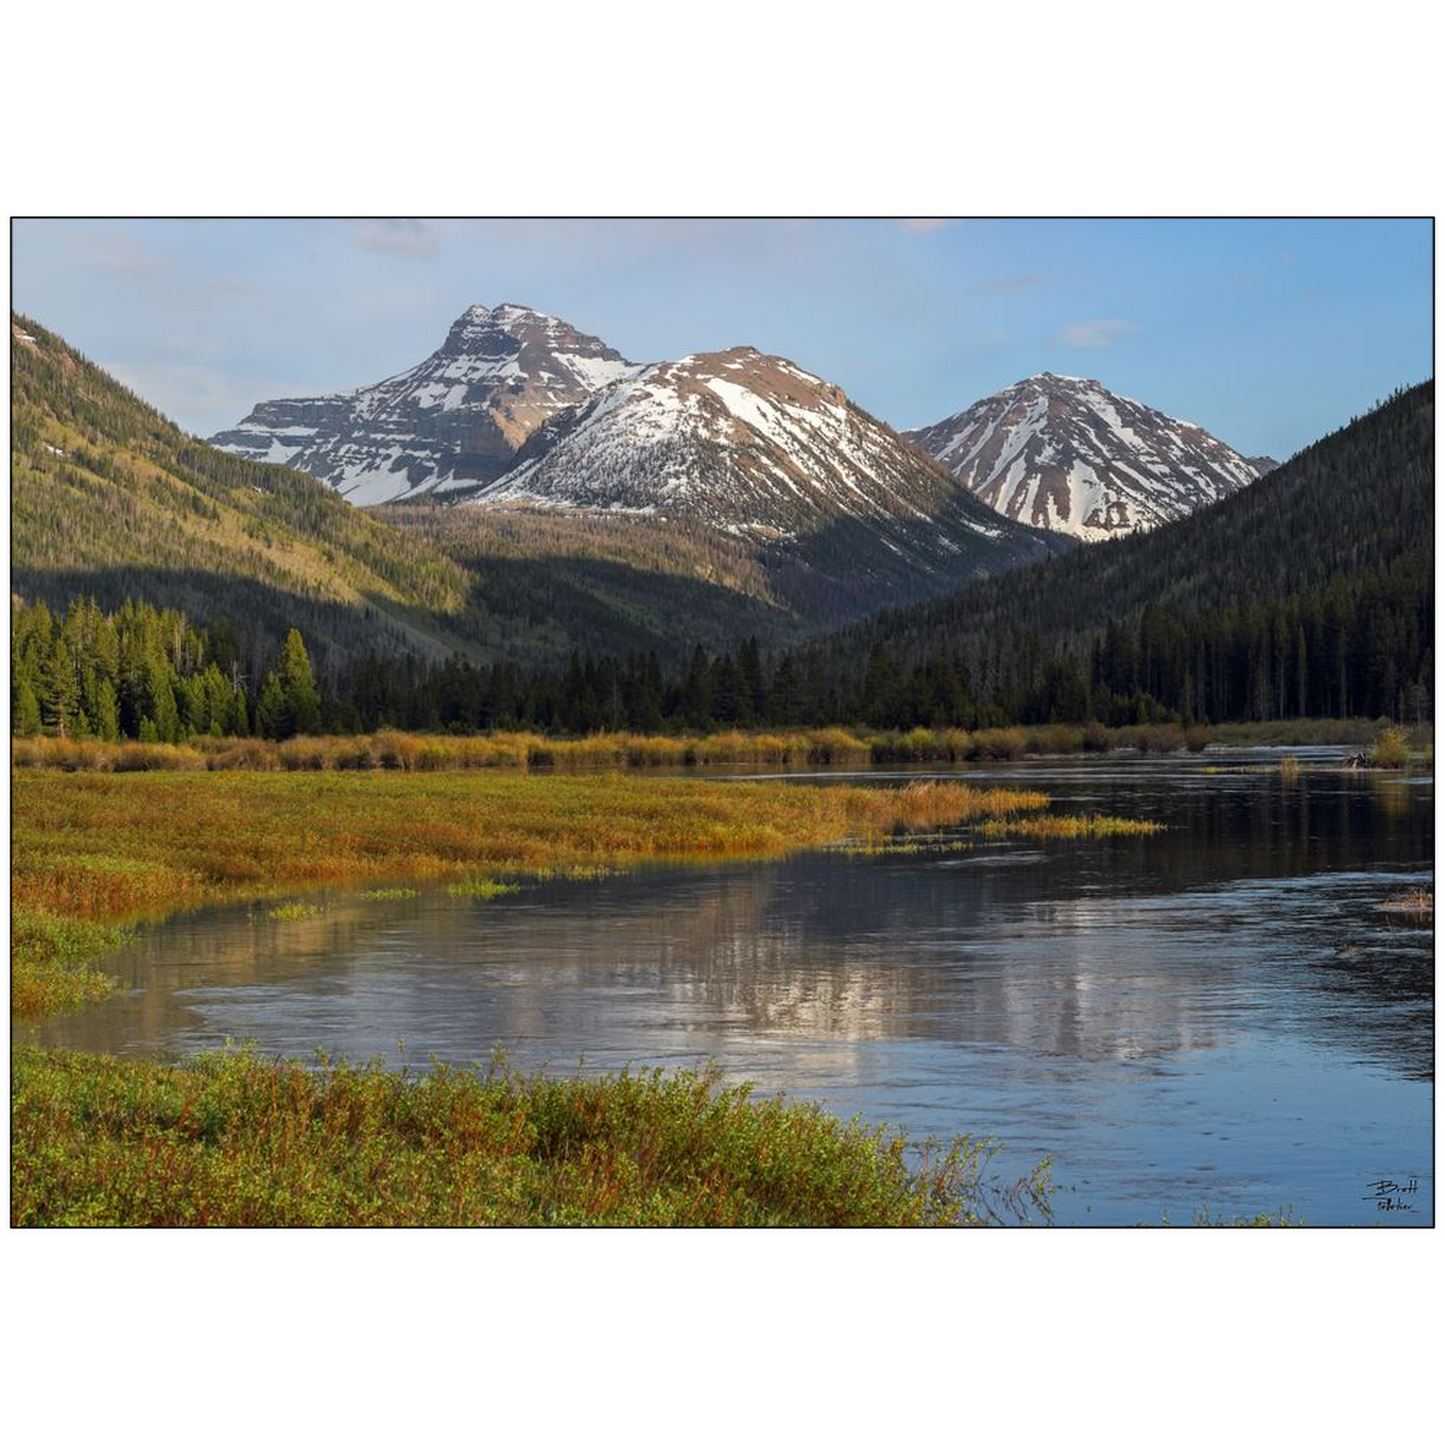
<point>613,586</point>
<point>1308,593</point>
<point>111,500</point>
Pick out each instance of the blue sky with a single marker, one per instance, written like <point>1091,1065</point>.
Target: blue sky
<point>1268,333</point>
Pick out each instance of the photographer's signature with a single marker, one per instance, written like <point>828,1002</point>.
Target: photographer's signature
<point>1390,1196</point>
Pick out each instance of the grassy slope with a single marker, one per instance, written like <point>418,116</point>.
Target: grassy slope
<point>549,581</point>
<point>109,497</point>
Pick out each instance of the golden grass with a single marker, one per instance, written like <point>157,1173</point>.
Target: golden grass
<point>105,848</point>
<point>392,751</point>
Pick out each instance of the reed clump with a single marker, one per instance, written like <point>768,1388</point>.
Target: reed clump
<point>1391,749</point>
<point>1412,900</point>
<point>234,1140</point>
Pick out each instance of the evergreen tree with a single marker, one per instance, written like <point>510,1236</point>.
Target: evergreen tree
<point>27,710</point>
<point>272,714</point>
<point>298,687</point>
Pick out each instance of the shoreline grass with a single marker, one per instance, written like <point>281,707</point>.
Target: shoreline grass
<point>233,1140</point>
<point>788,748</point>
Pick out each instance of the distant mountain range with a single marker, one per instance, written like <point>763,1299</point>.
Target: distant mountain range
<point>1350,517</point>
<point>1068,455</point>
<point>825,511</point>
<point>517,406</point>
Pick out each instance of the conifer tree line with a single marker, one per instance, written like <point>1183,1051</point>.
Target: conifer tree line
<point>147,673</point>
<point>1357,647</point>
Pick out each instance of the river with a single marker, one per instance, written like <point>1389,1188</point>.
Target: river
<point>1216,1018</point>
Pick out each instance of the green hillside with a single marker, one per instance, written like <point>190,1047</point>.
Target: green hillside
<point>110,499</point>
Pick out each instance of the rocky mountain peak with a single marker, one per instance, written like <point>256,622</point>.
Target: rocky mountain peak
<point>455,420</point>
<point>1067,454</point>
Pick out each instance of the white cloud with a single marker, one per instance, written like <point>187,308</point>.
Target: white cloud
<point>1102,332</point>
<point>921,225</point>
<point>398,237</point>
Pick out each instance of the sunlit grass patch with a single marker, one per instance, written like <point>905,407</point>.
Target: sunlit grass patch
<point>1084,825</point>
<point>290,912</point>
<point>481,888</point>
<point>381,894</point>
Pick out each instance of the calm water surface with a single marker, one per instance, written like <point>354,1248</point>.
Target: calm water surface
<point>1216,1017</point>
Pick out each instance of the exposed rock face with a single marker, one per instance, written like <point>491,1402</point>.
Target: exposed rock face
<point>454,421</point>
<point>1065,454</point>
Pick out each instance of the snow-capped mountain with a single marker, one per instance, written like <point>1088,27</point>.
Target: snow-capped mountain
<point>1064,453</point>
<point>456,420</point>
<point>735,439</point>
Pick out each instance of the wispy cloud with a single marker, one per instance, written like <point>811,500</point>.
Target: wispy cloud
<point>414,240</point>
<point>123,255</point>
<point>1010,285</point>
<point>1101,332</point>
<point>921,225</point>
